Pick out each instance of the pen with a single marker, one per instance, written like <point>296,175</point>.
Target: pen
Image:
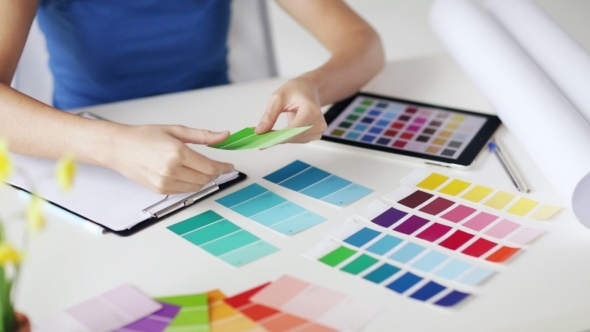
<point>509,166</point>
<point>83,223</point>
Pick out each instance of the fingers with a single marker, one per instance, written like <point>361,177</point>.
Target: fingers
<point>197,136</point>
<point>208,167</point>
<point>307,115</point>
<point>179,178</point>
<point>271,114</point>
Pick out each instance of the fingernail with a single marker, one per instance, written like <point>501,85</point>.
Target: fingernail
<point>260,126</point>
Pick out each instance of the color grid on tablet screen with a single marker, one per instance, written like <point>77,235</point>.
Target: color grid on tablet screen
<point>475,193</point>
<point>319,184</point>
<point>222,238</point>
<point>406,127</point>
<point>270,210</point>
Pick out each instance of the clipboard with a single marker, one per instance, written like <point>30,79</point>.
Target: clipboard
<point>107,198</point>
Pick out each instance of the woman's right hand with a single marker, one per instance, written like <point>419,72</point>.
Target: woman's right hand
<point>157,157</point>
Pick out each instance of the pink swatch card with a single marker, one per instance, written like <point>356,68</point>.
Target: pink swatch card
<point>319,304</point>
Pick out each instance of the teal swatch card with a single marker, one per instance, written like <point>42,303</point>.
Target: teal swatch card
<point>271,210</point>
<point>222,238</point>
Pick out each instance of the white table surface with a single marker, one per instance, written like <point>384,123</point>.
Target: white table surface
<point>546,288</point>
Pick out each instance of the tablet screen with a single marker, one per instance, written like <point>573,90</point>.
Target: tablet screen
<point>410,128</point>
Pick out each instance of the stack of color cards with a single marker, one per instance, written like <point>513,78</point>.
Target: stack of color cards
<point>407,252</point>
<point>486,196</point>
<point>222,238</point>
<point>397,264</point>
<point>450,224</point>
<point>432,230</point>
<point>270,210</point>
<point>318,184</point>
<point>405,127</point>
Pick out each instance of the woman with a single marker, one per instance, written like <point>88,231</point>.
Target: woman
<point>110,50</point>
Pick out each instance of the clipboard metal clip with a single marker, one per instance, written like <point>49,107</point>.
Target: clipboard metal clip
<point>180,204</point>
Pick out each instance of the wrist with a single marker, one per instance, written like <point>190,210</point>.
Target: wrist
<point>99,142</point>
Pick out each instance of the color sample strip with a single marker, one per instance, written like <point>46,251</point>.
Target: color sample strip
<point>450,237</point>
<point>408,127</point>
<point>318,184</point>
<point>224,318</point>
<point>222,238</point>
<point>402,253</point>
<point>271,319</point>
<point>193,314</point>
<point>392,275</point>
<point>475,193</point>
<point>107,312</point>
<point>446,209</point>
<point>156,322</point>
<point>271,210</point>
<point>247,139</point>
<point>318,304</point>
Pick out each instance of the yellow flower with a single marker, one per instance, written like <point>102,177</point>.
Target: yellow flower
<point>34,214</point>
<point>65,171</point>
<point>5,163</point>
<point>8,254</point>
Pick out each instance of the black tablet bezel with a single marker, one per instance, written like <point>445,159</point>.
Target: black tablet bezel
<point>465,159</point>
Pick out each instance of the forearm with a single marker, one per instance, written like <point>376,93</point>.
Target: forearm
<point>352,65</point>
<point>33,128</point>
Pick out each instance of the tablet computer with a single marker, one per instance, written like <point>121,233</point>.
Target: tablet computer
<point>429,133</point>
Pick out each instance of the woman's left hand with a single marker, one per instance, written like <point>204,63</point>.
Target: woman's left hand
<point>299,100</point>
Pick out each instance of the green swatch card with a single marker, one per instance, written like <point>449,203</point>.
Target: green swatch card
<point>247,139</point>
<point>193,315</point>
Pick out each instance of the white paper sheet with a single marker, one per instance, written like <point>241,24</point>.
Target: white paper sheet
<point>99,194</point>
<point>553,133</point>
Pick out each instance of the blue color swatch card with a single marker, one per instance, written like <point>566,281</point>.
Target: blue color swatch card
<point>318,184</point>
<point>271,210</point>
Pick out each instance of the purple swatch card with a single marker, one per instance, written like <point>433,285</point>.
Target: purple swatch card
<point>156,322</point>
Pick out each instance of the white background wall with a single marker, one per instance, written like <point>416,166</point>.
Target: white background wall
<point>402,24</point>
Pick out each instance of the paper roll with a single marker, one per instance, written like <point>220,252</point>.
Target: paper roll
<point>553,133</point>
<point>560,57</point>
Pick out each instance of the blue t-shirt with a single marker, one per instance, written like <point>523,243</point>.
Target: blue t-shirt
<point>109,50</point>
